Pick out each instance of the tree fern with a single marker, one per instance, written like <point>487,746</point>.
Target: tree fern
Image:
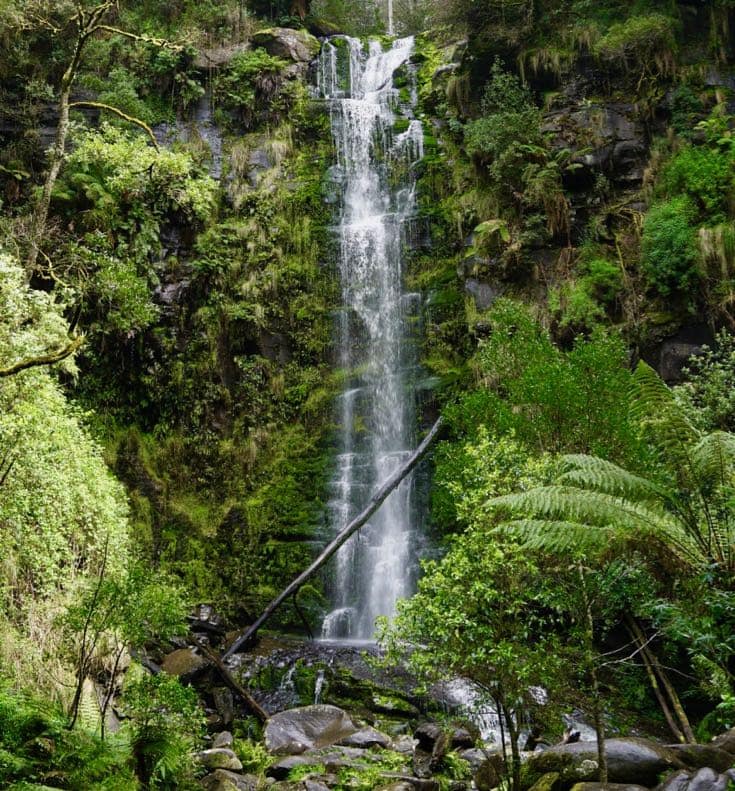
<point>591,472</point>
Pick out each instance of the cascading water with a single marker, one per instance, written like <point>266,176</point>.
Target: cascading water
<point>376,411</point>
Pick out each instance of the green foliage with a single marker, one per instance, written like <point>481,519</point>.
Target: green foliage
<point>36,748</point>
<point>708,394</point>
<point>669,246</point>
<point>166,724</point>
<point>645,42</point>
<point>581,303</point>
<point>554,400</point>
<point>482,613</point>
<point>705,176</point>
<point>254,87</point>
<point>467,474</point>
<point>508,133</point>
<point>686,519</point>
<point>59,505</point>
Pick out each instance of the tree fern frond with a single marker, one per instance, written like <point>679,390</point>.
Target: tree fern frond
<point>555,535</point>
<point>582,505</point>
<point>654,407</point>
<point>713,459</point>
<point>591,472</point>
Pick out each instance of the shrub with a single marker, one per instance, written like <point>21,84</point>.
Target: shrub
<point>669,246</point>
<point>705,175</point>
<point>646,42</point>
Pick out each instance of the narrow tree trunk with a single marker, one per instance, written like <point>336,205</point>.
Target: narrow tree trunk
<point>515,770</point>
<point>591,662</point>
<point>653,681</point>
<point>375,502</point>
<point>665,682</point>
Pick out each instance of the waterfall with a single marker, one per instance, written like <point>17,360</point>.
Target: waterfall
<point>378,142</point>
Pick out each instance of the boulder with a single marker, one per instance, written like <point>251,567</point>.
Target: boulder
<point>184,663</point>
<point>707,779</point>
<point>366,737</point>
<point>314,785</point>
<point>679,781</point>
<point>222,780</point>
<point>294,731</point>
<point>630,760</point>
<point>461,738</point>
<point>283,42</point>
<point>223,739</point>
<point>725,741</point>
<point>696,756</point>
<point>427,735</point>
<point>490,773</point>
<point>219,758</point>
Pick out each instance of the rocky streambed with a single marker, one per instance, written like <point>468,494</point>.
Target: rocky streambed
<point>338,719</point>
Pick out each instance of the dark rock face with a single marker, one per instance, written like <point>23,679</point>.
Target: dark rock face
<point>294,731</point>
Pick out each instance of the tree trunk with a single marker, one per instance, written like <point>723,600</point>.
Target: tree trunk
<point>591,662</point>
<point>375,502</point>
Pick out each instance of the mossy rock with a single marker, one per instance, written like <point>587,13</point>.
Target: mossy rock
<point>548,782</point>
<point>298,46</point>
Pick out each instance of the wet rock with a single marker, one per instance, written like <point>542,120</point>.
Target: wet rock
<point>297,730</point>
<point>630,760</point>
<point>366,737</point>
<point>489,773</point>
<point>415,783</point>
<point>461,738</point>
<point>222,780</point>
<point>295,45</point>
<point>707,779</point>
<point>679,781</point>
<point>697,756</point>
<point>280,769</point>
<point>427,735</point>
<point>400,786</point>
<point>224,702</point>
<point>674,356</point>
<point>223,739</point>
<point>483,294</point>
<point>315,785</point>
<point>184,663</point>
<point>219,758</point>
<point>403,744</point>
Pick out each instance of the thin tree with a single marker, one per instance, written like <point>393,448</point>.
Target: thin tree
<point>85,23</point>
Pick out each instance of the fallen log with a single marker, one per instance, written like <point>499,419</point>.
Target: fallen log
<point>359,521</point>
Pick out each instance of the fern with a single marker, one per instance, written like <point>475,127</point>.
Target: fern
<point>591,472</point>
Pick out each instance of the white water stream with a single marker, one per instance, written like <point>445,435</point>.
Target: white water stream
<point>376,411</point>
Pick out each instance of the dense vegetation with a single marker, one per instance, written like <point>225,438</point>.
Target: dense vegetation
<point>167,377</point>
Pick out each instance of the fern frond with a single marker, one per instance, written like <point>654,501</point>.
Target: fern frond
<point>591,472</point>
<point>593,510</point>
<point>713,459</point>
<point>581,505</point>
<point>653,406</point>
<point>555,535</point>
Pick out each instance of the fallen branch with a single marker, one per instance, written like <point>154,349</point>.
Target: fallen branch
<point>44,359</point>
<point>131,119</point>
<point>233,683</point>
<point>375,502</point>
